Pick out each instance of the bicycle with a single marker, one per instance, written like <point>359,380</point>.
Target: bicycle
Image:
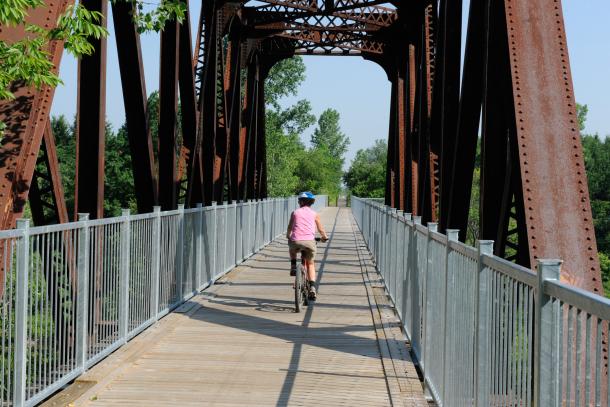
<point>301,284</point>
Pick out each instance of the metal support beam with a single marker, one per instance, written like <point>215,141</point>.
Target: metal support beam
<point>91,124</point>
<point>168,112</point>
<point>190,160</point>
<point>25,118</point>
<point>135,100</point>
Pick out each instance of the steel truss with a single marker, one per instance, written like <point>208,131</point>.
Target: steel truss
<point>534,198</point>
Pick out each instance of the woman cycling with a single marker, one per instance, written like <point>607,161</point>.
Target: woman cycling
<point>301,237</point>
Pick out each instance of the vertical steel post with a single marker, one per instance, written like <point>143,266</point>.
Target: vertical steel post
<point>21,313</point>
<point>214,243</point>
<point>198,247</point>
<point>545,359</point>
<point>156,269</point>
<point>416,292</point>
<point>407,279</point>
<point>432,227</point>
<point>180,255</point>
<point>482,334</point>
<point>82,296</point>
<point>452,236</point>
<point>124,276</point>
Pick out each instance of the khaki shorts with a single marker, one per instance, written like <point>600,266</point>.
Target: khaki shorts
<point>307,247</point>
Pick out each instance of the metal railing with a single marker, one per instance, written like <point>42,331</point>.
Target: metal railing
<point>71,294</point>
<point>485,331</point>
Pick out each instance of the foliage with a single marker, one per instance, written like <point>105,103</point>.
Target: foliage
<point>604,262</point>
<point>284,80</point>
<point>326,158</point>
<point>119,189</point>
<point>366,175</point>
<point>283,154</point>
<point>28,59</point>
<point>283,126</point>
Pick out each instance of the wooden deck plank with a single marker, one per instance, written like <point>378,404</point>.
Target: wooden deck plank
<point>242,344</point>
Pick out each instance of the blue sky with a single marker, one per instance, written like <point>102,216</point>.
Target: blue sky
<point>359,89</point>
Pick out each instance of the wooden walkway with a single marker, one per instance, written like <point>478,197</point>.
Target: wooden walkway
<point>240,343</point>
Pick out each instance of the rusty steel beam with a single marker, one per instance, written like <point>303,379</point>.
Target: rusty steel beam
<point>26,117</point>
<point>208,109</point>
<point>555,192</point>
<point>135,100</point>
<point>168,111</point>
<point>390,175</point>
<point>446,103</point>
<point>235,153</point>
<point>91,124</point>
<point>189,159</point>
<point>468,121</point>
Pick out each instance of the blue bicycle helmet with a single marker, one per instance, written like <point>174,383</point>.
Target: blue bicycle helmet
<point>306,195</point>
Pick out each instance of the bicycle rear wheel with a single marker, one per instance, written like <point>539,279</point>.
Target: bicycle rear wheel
<point>298,290</point>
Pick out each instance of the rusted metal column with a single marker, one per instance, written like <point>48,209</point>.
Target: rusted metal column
<point>468,121</point>
<point>401,113</point>
<point>390,176</point>
<point>26,117</point>
<point>426,197</point>
<point>246,138</point>
<point>135,100</point>
<point>233,105</point>
<point>554,183</point>
<point>252,91</point>
<point>208,102</point>
<point>447,95</point>
<point>168,110</point>
<point>261,144</point>
<point>189,153</point>
<point>91,124</point>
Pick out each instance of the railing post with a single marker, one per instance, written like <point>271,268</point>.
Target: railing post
<point>432,227</point>
<point>249,240</point>
<point>198,246</point>
<point>544,361</point>
<point>180,255</point>
<point>156,266</point>
<point>82,297</point>
<point>398,255</point>
<point>21,313</point>
<point>416,292</point>
<point>214,243</point>
<point>452,236</point>
<point>482,334</point>
<point>406,278</point>
<point>124,275</point>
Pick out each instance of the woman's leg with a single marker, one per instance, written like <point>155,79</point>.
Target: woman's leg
<point>311,270</point>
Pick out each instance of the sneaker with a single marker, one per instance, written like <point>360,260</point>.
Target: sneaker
<point>312,291</point>
<point>293,271</point>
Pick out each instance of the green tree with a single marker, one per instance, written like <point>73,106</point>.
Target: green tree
<point>597,161</point>
<point>366,175</point>
<point>329,145</point>
<point>119,190</point>
<point>283,127</point>
<point>329,135</point>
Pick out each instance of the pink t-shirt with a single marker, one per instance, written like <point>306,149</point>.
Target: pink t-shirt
<point>303,224</point>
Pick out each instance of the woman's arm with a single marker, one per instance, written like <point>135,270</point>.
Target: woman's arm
<point>289,230</point>
<point>321,228</point>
